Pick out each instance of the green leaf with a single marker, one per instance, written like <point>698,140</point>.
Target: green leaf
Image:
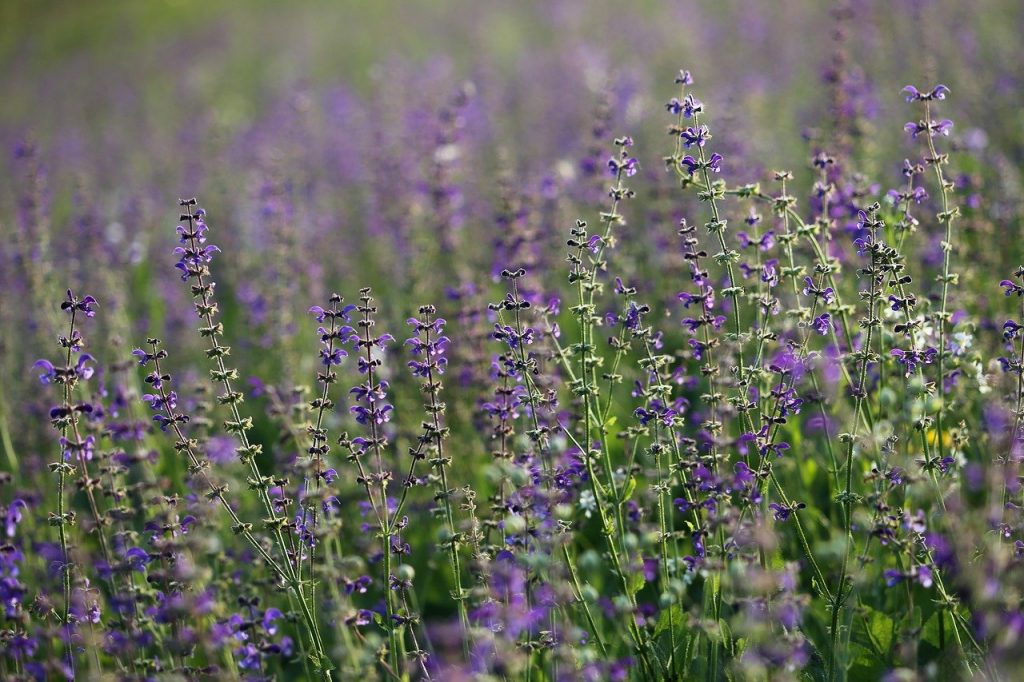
<point>670,616</point>
<point>930,632</point>
<point>726,631</point>
<point>873,631</point>
<point>629,490</point>
<point>808,470</point>
<point>636,582</point>
<point>866,665</point>
<point>880,628</point>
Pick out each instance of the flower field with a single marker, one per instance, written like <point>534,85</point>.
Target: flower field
<point>531,341</point>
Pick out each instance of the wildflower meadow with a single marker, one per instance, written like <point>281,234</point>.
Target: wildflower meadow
<point>542,341</point>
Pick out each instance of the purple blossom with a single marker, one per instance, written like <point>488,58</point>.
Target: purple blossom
<point>911,358</point>
<point>698,136</point>
<point>912,94</point>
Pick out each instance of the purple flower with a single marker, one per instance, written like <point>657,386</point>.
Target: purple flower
<point>688,107</point>
<point>320,314</point>
<point>13,516</point>
<point>1012,288</point>
<point>683,504</point>
<point>783,512</point>
<point>270,616</point>
<point>626,166</point>
<point>743,477</point>
<point>715,163</point>
<point>375,415</point>
<point>933,128</point>
<point>332,356</point>
<point>137,559</point>
<point>912,94</point>
<point>158,402</point>
<point>695,136</point>
<point>923,574</point>
<point>692,164</point>
<point>827,294</point>
<point>912,358</point>
<point>79,450</point>
<point>49,371</point>
<point>163,421</point>
<point>764,243</point>
<point>692,106</point>
<point>84,305</point>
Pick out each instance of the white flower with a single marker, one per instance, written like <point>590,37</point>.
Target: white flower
<point>961,343</point>
<point>587,503</point>
<point>980,378</point>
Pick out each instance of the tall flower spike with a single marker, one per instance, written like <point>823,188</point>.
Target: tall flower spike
<point>194,258</point>
<point>428,346</point>
<point>948,213</point>
<point>65,419</point>
<point>373,410</point>
<point>331,334</point>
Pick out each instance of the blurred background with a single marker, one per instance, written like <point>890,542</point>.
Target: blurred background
<point>94,79</point>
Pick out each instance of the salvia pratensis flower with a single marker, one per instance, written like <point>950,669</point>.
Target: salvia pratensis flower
<point>914,95</point>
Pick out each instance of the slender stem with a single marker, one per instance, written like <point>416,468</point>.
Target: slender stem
<point>240,426</point>
<point>435,409</point>
<point>946,217</point>
<point>578,594</point>
<point>199,468</point>
<point>390,626</point>
<point>61,520</point>
<point>839,597</point>
<point>317,448</point>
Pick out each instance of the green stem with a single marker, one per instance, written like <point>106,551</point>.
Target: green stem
<point>223,376</point>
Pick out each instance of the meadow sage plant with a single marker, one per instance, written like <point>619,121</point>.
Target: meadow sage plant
<point>664,407</point>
